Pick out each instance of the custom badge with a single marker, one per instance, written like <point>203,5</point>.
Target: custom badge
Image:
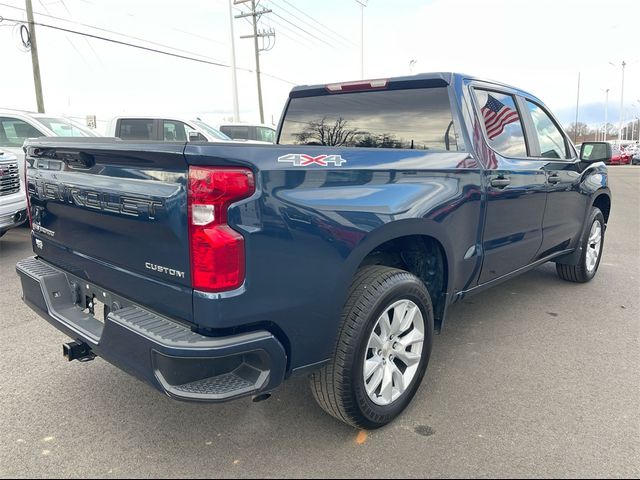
<point>302,160</point>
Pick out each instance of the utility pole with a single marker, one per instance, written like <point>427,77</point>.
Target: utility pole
<point>37,80</point>
<point>234,77</point>
<point>255,14</point>
<point>363,3</point>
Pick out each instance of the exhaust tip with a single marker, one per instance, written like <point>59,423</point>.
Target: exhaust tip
<point>261,398</point>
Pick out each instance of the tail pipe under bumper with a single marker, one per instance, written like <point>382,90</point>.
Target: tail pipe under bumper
<point>177,361</point>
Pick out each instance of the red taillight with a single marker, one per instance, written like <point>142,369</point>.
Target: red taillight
<point>217,251</point>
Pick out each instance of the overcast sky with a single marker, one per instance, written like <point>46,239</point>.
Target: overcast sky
<point>537,45</point>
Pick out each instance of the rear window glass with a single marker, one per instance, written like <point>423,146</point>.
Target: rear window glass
<point>411,119</point>
<point>136,129</point>
<point>237,133</point>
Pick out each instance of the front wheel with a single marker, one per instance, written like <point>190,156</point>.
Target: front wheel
<point>592,245</point>
<point>382,351</point>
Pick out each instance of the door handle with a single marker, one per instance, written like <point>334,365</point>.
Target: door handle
<point>554,178</point>
<point>500,182</point>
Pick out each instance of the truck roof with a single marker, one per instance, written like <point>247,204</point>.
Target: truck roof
<point>433,78</point>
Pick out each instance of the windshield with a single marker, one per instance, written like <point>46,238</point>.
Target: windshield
<point>211,131</point>
<point>412,119</point>
<point>65,128</point>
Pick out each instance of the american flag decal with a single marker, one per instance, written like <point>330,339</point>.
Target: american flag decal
<point>497,116</point>
<point>302,160</point>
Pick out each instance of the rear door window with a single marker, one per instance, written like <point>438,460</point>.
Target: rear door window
<point>266,134</point>
<point>551,140</point>
<point>176,131</point>
<point>136,129</point>
<point>417,119</point>
<point>502,123</point>
<point>13,132</point>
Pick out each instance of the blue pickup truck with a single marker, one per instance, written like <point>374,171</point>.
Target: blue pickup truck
<point>217,271</point>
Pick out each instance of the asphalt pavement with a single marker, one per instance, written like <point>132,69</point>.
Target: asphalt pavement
<point>536,377</point>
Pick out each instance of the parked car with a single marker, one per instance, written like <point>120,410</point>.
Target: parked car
<point>635,160</point>
<point>619,156</point>
<point>17,125</point>
<point>168,129</point>
<point>335,253</point>
<point>246,131</point>
<point>13,201</point>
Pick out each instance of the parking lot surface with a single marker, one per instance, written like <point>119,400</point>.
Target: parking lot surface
<point>536,377</point>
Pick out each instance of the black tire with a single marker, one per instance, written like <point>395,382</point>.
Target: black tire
<point>339,386</point>
<point>580,273</point>
<point>2,233</point>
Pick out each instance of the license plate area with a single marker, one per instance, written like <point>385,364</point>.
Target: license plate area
<point>96,308</point>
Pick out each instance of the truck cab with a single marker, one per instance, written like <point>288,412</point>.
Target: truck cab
<point>163,129</point>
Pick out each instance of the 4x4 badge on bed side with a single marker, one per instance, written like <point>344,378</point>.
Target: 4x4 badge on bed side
<point>302,160</point>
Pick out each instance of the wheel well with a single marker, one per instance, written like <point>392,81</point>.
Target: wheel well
<point>421,255</point>
<point>603,202</point>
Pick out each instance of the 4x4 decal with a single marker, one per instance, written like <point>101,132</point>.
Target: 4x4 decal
<point>302,160</point>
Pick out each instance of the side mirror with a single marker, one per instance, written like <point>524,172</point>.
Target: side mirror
<point>196,137</point>
<point>592,152</point>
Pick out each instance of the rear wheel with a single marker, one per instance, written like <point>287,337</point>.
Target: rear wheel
<point>383,349</point>
<point>592,245</point>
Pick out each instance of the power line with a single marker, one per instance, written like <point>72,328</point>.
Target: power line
<point>304,31</point>
<point>282,27</point>
<point>318,22</point>
<point>141,47</point>
<point>338,41</point>
<point>129,14</point>
<point>95,54</point>
<point>106,31</point>
<point>296,36</point>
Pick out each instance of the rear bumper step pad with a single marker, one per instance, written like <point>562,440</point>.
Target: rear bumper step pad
<point>168,355</point>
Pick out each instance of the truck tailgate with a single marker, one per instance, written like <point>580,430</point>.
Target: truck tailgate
<point>115,214</point>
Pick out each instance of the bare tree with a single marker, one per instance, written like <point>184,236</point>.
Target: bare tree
<point>384,140</point>
<point>334,134</point>
<point>578,130</point>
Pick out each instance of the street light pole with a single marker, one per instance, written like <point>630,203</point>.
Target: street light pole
<point>234,77</point>
<point>575,130</point>
<point>606,111</point>
<point>624,64</point>
<point>363,3</point>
